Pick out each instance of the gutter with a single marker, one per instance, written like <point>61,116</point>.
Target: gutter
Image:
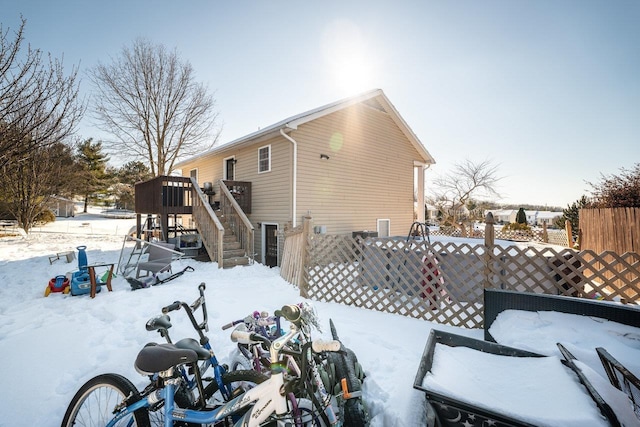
<point>295,174</point>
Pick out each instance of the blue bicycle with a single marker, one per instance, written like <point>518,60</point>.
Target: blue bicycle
<point>199,383</point>
<point>112,400</point>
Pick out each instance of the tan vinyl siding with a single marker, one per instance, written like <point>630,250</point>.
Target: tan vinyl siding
<point>270,191</point>
<point>368,176</point>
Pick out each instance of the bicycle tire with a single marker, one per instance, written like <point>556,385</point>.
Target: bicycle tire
<point>94,403</point>
<point>308,416</point>
<point>346,367</point>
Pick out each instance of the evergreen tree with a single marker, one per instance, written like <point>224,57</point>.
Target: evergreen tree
<point>571,214</point>
<point>128,175</point>
<point>95,179</point>
<point>521,216</point>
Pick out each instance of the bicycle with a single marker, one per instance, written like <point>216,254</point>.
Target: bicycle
<point>338,374</point>
<point>264,403</point>
<point>196,379</point>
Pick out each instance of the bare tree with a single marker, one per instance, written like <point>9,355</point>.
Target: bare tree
<point>27,186</point>
<point>39,104</point>
<point>148,99</point>
<point>453,191</point>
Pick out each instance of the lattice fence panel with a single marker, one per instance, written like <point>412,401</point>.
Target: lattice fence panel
<point>610,275</point>
<point>554,237</point>
<point>408,278</point>
<point>444,282</point>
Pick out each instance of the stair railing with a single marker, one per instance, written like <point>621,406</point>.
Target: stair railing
<point>209,226</point>
<point>237,219</point>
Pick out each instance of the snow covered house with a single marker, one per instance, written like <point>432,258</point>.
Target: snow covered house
<point>353,166</point>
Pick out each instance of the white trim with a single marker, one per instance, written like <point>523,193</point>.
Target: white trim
<point>294,184</point>
<point>268,158</point>
<point>378,221</point>
<point>263,241</point>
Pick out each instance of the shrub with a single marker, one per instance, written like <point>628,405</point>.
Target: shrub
<point>514,226</point>
<point>45,216</point>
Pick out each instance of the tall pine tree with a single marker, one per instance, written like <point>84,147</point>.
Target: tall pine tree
<point>95,179</point>
<point>572,214</point>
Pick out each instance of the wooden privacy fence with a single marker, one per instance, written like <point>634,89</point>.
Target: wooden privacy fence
<point>612,229</point>
<point>444,282</point>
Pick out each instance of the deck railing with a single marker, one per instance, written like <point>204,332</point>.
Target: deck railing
<point>164,195</point>
<point>236,218</point>
<point>209,226</point>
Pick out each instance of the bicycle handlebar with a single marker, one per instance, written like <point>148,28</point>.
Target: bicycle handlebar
<point>199,327</point>
<point>291,313</point>
<point>230,324</point>
<point>171,307</point>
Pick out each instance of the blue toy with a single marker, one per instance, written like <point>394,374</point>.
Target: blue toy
<point>80,281</point>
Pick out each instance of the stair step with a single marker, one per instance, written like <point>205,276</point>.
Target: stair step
<point>232,245</point>
<point>232,262</point>
<point>229,238</point>
<point>233,253</point>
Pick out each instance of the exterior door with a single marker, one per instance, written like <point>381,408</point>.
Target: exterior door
<point>230,169</point>
<point>270,244</point>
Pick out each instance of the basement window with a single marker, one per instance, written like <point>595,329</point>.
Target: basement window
<point>384,227</point>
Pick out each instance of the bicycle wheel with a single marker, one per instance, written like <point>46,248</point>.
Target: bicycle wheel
<point>94,403</point>
<point>240,362</point>
<point>346,366</point>
<point>308,416</point>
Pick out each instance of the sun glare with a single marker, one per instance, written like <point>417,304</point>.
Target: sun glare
<point>349,65</point>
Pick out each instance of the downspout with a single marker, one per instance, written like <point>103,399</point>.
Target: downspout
<point>295,177</point>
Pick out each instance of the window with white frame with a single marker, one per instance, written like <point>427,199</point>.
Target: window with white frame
<point>264,159</point>
<point>384,227</point>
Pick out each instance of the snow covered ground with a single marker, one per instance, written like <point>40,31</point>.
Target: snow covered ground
<point>51,346</point>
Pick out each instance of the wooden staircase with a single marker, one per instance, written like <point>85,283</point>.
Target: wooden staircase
<point>233,254</point>
<point>227,234</point>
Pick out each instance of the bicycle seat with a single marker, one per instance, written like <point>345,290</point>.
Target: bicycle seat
<point>191,344</point>
<point>160,357</point>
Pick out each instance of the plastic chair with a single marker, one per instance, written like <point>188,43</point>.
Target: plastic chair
<point>159,260</point>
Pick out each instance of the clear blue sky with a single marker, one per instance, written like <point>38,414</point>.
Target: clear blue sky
<point>547,90</point>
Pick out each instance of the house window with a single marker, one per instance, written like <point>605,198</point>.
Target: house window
<point>264,159</point>
<point>193,173</point>
<point>384,227</point>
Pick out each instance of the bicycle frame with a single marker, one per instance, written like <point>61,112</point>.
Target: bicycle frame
<point>262,401</point>
<point>203,366</point>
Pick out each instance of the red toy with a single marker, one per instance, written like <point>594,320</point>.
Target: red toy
<point>57,284</point>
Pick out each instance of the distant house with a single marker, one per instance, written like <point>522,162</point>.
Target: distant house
<point>536,218</point>
<point>503,216</point>
<point>431,215</point>
<point>62,207</point>
<point>353,165</point>
<point>547,217</point>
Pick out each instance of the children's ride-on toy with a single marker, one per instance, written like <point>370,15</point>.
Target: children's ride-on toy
<point>57,284</point>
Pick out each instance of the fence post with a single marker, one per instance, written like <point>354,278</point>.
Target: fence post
<point>567,227</point>
<point>545,233</point>
<point>489,242</point>
<point>307,227</point>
